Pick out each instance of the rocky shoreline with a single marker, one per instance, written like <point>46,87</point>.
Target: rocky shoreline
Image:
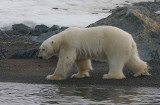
<point>19,46</point>
<point>34,71</point>
<point>140,20</point>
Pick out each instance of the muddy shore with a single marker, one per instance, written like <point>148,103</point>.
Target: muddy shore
<point>35,70</point>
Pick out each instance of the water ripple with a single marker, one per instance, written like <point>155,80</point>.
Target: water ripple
<point>42,94</point>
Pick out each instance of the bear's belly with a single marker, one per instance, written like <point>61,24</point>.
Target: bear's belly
<point>91,55</point>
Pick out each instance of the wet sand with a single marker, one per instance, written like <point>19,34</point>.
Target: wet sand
<point>35,70</point>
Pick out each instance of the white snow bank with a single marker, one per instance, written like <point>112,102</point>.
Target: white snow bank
<point>78,13</point>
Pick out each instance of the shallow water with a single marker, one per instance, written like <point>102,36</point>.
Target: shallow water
<point>42,94</point>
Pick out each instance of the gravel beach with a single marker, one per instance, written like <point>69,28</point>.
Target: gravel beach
<point>35,70</point>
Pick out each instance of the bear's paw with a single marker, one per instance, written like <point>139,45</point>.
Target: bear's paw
<point>78,75</point>
<point>113,76</point>
<point>53,77</point>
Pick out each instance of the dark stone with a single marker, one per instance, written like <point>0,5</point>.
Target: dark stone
<point>154,54</point>
<point>27,54</point>
<point>1,33</point>
<point>63,28</point>
<point>141,23</point>
<point>55,8</point>
<point>32,53</point>
<point>45,36</point>
<point>152,6</point>
<point>54,28</point>
<point>41,28</point>
<point>2,53</point>
<point>21,29</point>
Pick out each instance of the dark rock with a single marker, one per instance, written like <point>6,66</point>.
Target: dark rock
<point>63,28</point>
<point>33,53</point>
<point>54,28</point>
<point>27,54</point>
<point>142,24</point>
<point>21,29</point>
<point>17,30</point>
<point>55,8</point>
<point>1,33</point>
<point>41,28</point>
<point>152,6</point>
<point>44,36</point>
<point>2,53</point>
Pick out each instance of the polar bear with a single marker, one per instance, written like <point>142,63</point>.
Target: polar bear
<point>80,45</point>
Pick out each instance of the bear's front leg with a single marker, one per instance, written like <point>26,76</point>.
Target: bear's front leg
<point>83,65</point>
<point>65,63</point>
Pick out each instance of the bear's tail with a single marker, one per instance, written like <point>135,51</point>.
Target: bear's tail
<point>138,66</point>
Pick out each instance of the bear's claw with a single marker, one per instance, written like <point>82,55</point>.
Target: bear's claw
<point>78,75</point>
<point>111,76</point>
<point>146,73</point>
<point>53,77</point>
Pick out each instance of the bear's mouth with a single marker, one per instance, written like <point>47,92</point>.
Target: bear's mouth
<point>40,57</point>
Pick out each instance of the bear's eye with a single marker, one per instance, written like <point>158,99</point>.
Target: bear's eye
<point>43,49</point>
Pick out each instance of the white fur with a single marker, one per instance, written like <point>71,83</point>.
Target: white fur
<point>82,44</point>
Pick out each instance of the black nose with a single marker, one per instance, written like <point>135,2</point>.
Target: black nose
<point>40,57</point>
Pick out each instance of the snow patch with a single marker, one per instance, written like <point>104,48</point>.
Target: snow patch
<point>78,13</point>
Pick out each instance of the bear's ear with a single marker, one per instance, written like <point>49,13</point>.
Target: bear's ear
<point>52,42</point>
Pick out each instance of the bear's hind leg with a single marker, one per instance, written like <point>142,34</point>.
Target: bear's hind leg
<point>138,66</point>
<point>115,70</point>
<point>83,65</point>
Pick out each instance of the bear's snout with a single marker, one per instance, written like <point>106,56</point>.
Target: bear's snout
<point>40,57</point>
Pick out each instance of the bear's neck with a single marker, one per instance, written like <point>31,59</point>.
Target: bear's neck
<point>57,42</point>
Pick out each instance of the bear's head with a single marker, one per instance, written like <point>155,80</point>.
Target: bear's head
<point>47,49</point>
